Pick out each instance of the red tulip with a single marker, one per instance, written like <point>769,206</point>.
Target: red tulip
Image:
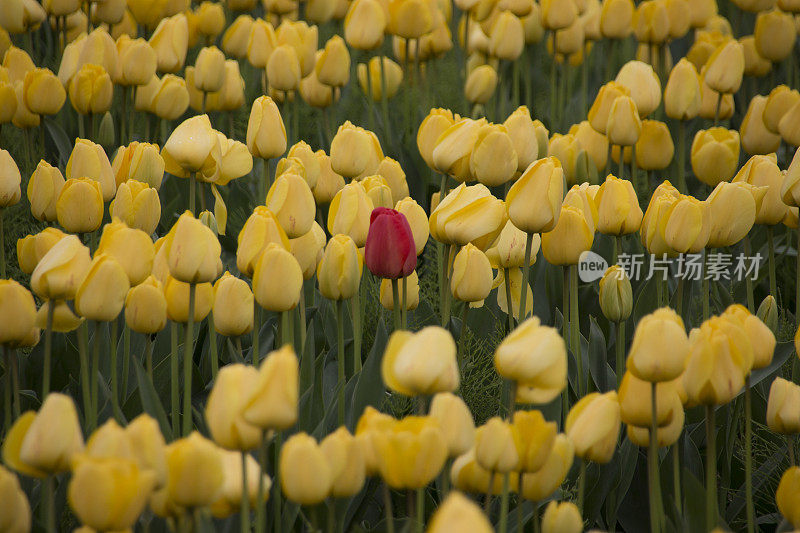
<point>390,251</point>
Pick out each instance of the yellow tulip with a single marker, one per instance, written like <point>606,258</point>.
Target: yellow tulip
<point>277,279</point>
<point>481,84</point>
<point>574,159</point>
<point>458,513</point>
<point>648,359</point>
<point>569,239</point>
<point>230,499</point>
<point>43,92</point>
<point>209,69</point>
<point>468,215</point>
<point>273,403</point>
<point>754,64</point>
<point>636,412</point>
<point>534,356</point>
<point>171,98</point>
<point>507,37</point>
<point>386,296</point>
<point>232,389</point>
<point>44,443</point>
<point>420,363</point>
<point>10,180</point>
<point>16,511</point>
<point>339,270</point>
<point>373,83</point>
<point>31,248</point>
<point>236,36</point>
<point>617,207</point>
<point>593,143</point>
<point>432,127</point>
<point>260,44</point>
<point>645,89</point>
<point>564,517</point>
<point>306,476</point>
<point>176,294</point>
<point>520,127</point>
<point>779,101</point>
<point>89,160</point>
<point>170,40</point>
<point>760,336</point>
<point>364,24</point>
<point>654,149</point>
<point>61,270</point>
<point>724,69</point>
<point>109,494</point>
<point>537,437</point>
<point>624,126</point>
<point>17,313</point>
<point>783,407</point>
<point>453,149</point>
<point>233,306</point>
<point>410,453</point>
<point>8,102</point>
<point>616,297</point>
<point>102,294</point>
<point>260,229</point>
<point>756,138</point>
<point>787,495</point>
<point>732,209</point>
<point>192,144</point>
<point>682,92</point>
<point>539,485</point>
<point>651,22</point>
<point>391,171</point>
<point>91,90</point>
<point>355,152</point>
<point>64,320</point>
<point>498,445</point>
<point>141,162</point>
<point>493,160</point>
<point>146,307</point>
<point>345,458</point>
<point>195,473</point>
<point>349,213</point>
<point>593,426</point>
<point>763,171</point>
<point>291,200</point>
<point>601,108</point>
<point>328,182</point>
<point>137,205</point>
<point>514,279</point>
<point>21,16</point>
<point>558,14</point>
<point>193,251</point>
<point>137,61</point>
<point>508,251</point>
<point>775,35</point>
<point>333,66</point>
<point>667,434</point>
<point>455,421</point>
<point>471,279</point>
<point>717,363</point>
<point>715,155</point>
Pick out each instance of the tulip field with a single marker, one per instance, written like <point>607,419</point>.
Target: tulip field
<point>452,266</point>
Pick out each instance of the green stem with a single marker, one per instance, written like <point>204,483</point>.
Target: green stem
<point>396,306</point>
<point>652,464</point>
<point>387,507</point>
<point>772,278</point>
<point>620,349</point>
<point>448,300</point>
<point>706,287</point>
<point>716,109</point>
<point>537,525</point>
<point>553,92</point>
<point>711,470</point>
<point>192,194</point>
<point>622,164</point>
<point>114,372</point>
<point>797,279</point>
<point>256,331</point>
<point>303,326</point>
<point>148,356</point>
<point>244,512</point>
<point>48,348</point>
<point>790,449</point>
<point>384,102</point>
<point>123,115</point>
<point>682,156</point>
<point>462,335</point>
<point>748,455</point>
<point>83,341</point>
<point>523,292</point>
<point>509,305</point>
<point>276,497</point>
<point>187,364</point>
<point>287,328</point>
<point>419,523</point>
<point>126,357</point>
<point>676,475</point>
<point>370,113</point>
<point>581,485</point>
<point>403,297</point>
<point>174,370</point>
<point>265,183</point>
<point>93,371</point>
<point>574,322</point>
<point>2,248</point>
<point>358,332</point>
<point>260,505</point>
<point>8,386</point>
<point>340,360</point>
<point>504,506</point>
<point>748,281</point>
<point>212,347</point>
<point>49,507</point>
<point>331,518</point>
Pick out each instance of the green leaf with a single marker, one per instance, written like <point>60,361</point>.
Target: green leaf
<point>150,402</point>
<point>60,139</point>
<point>369,389</point>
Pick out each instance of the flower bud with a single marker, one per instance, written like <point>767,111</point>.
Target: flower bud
<point>91,90</point>
<point>364,24</point>
<point>732,209</point>
<point>724,69</point>
<point>89,160</point>
<point>593,426</point>
<point>756,138</point>
<point>768,313</point>
<point>420,363</point>
<point>459,513</point>
<point>232,389</point>
<point>787,495</point>
<point>146,307</point>
<point>455,421</point>
<point>715,155</point>
<point>471,279</point>
<point>17,313</point>
<point>410,452</point>
<point>43,189</point>
<point>783,407</point>
<point>277,279</point>
<point>16,509</point>
<point>616,297</point>
<point>273,403</point>
<point>493,160</point>
<point>194,471</point>
<point>682,92</point>
<point>373,84</point>
<point>601,108</point>
<point>61,270</point>
<point>102,294</point>
<point>345,458</point>
<point>31,248</point>
<point>306,476</point>
<point>480,85</point>
<point>624,126</point>
<point>432,127</point>
<point>564,517</point>
<point>339,270</point>
<point>643,84</point>
<point>170,40</point>
<point>775,35</point>
<point>569,239</point>
<point>137,61</point>
<point>230,500</point>
<point>43,92</point>
<point>497,446</point>
<point>176,294</point>
<point>349,213</point>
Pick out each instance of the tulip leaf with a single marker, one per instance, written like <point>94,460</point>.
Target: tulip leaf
<point>150,402</point>
<point>60,139</point>
<point>369,389</point>
<point>647,302</point>
<point>602,374</point>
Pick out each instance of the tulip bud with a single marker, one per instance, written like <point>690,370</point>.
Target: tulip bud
<point>277,279</point>
<point>616,298</point>
<point>91,90</point>
<point>480,85</point>
<point>349,213</point>
<point>236,37</point>
<point>194,471</point>
<point>558,14</point>
<point>333,66</point>
<point>373,83</point>
<point>43,92</point>
<point>170,99</point>
<point>232,389</point>
<point>16,509</point>
<point>170,40</point>
<point>732,209</point>
<point>420,363</point>
<point>176,294</point>
<point>345,458</point>
<point>102,294</point>
<point>715,155</point>
<point>137,205</point>
<point>18,313</point>
<point>455,421</point>
<point>10,180</point>
<point>682,92</point>
<point>756,138</point>
<point>291,200</point>
<point>468,214</point>
<point>768,313</point>
<point>564,517</point>
<point>493,160</point>
<point>787,495</point>
<point>724,69</point>
<point>497,446</point>
<point>354,151</point>
<point>390,251</point>
<point>617,207</point>
<point>306,476</point>
<point>624,126</point>
<point>230,499</point>
<point>783,407</point>
<point>191,144</point>
<point>61,270</point>
<point>763,171</point>
<point>643,84</point>
<point>260,229</point>
<point>209,70</point>
<point>654,149</point>
<point>146,307</point>
<point>137,61</point>
<point>364,24</point>
<point>459,513</point>
<point>273,403</point>
<point>536,436</point>
<point>410,452</point>
<point>601,108</point>
<point>328,183</point>
<point>569,239</point>
<point>540,484</point>
<point>233,306</point>
<point>787,127</point>
<point>471,279</point>
<point>432,127</point>
<point>775,35</point>
<point>89,160</point>
<point>44,443</point>
<point>31,248</point>
<point>593,426</point>
<point>780,100</point>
